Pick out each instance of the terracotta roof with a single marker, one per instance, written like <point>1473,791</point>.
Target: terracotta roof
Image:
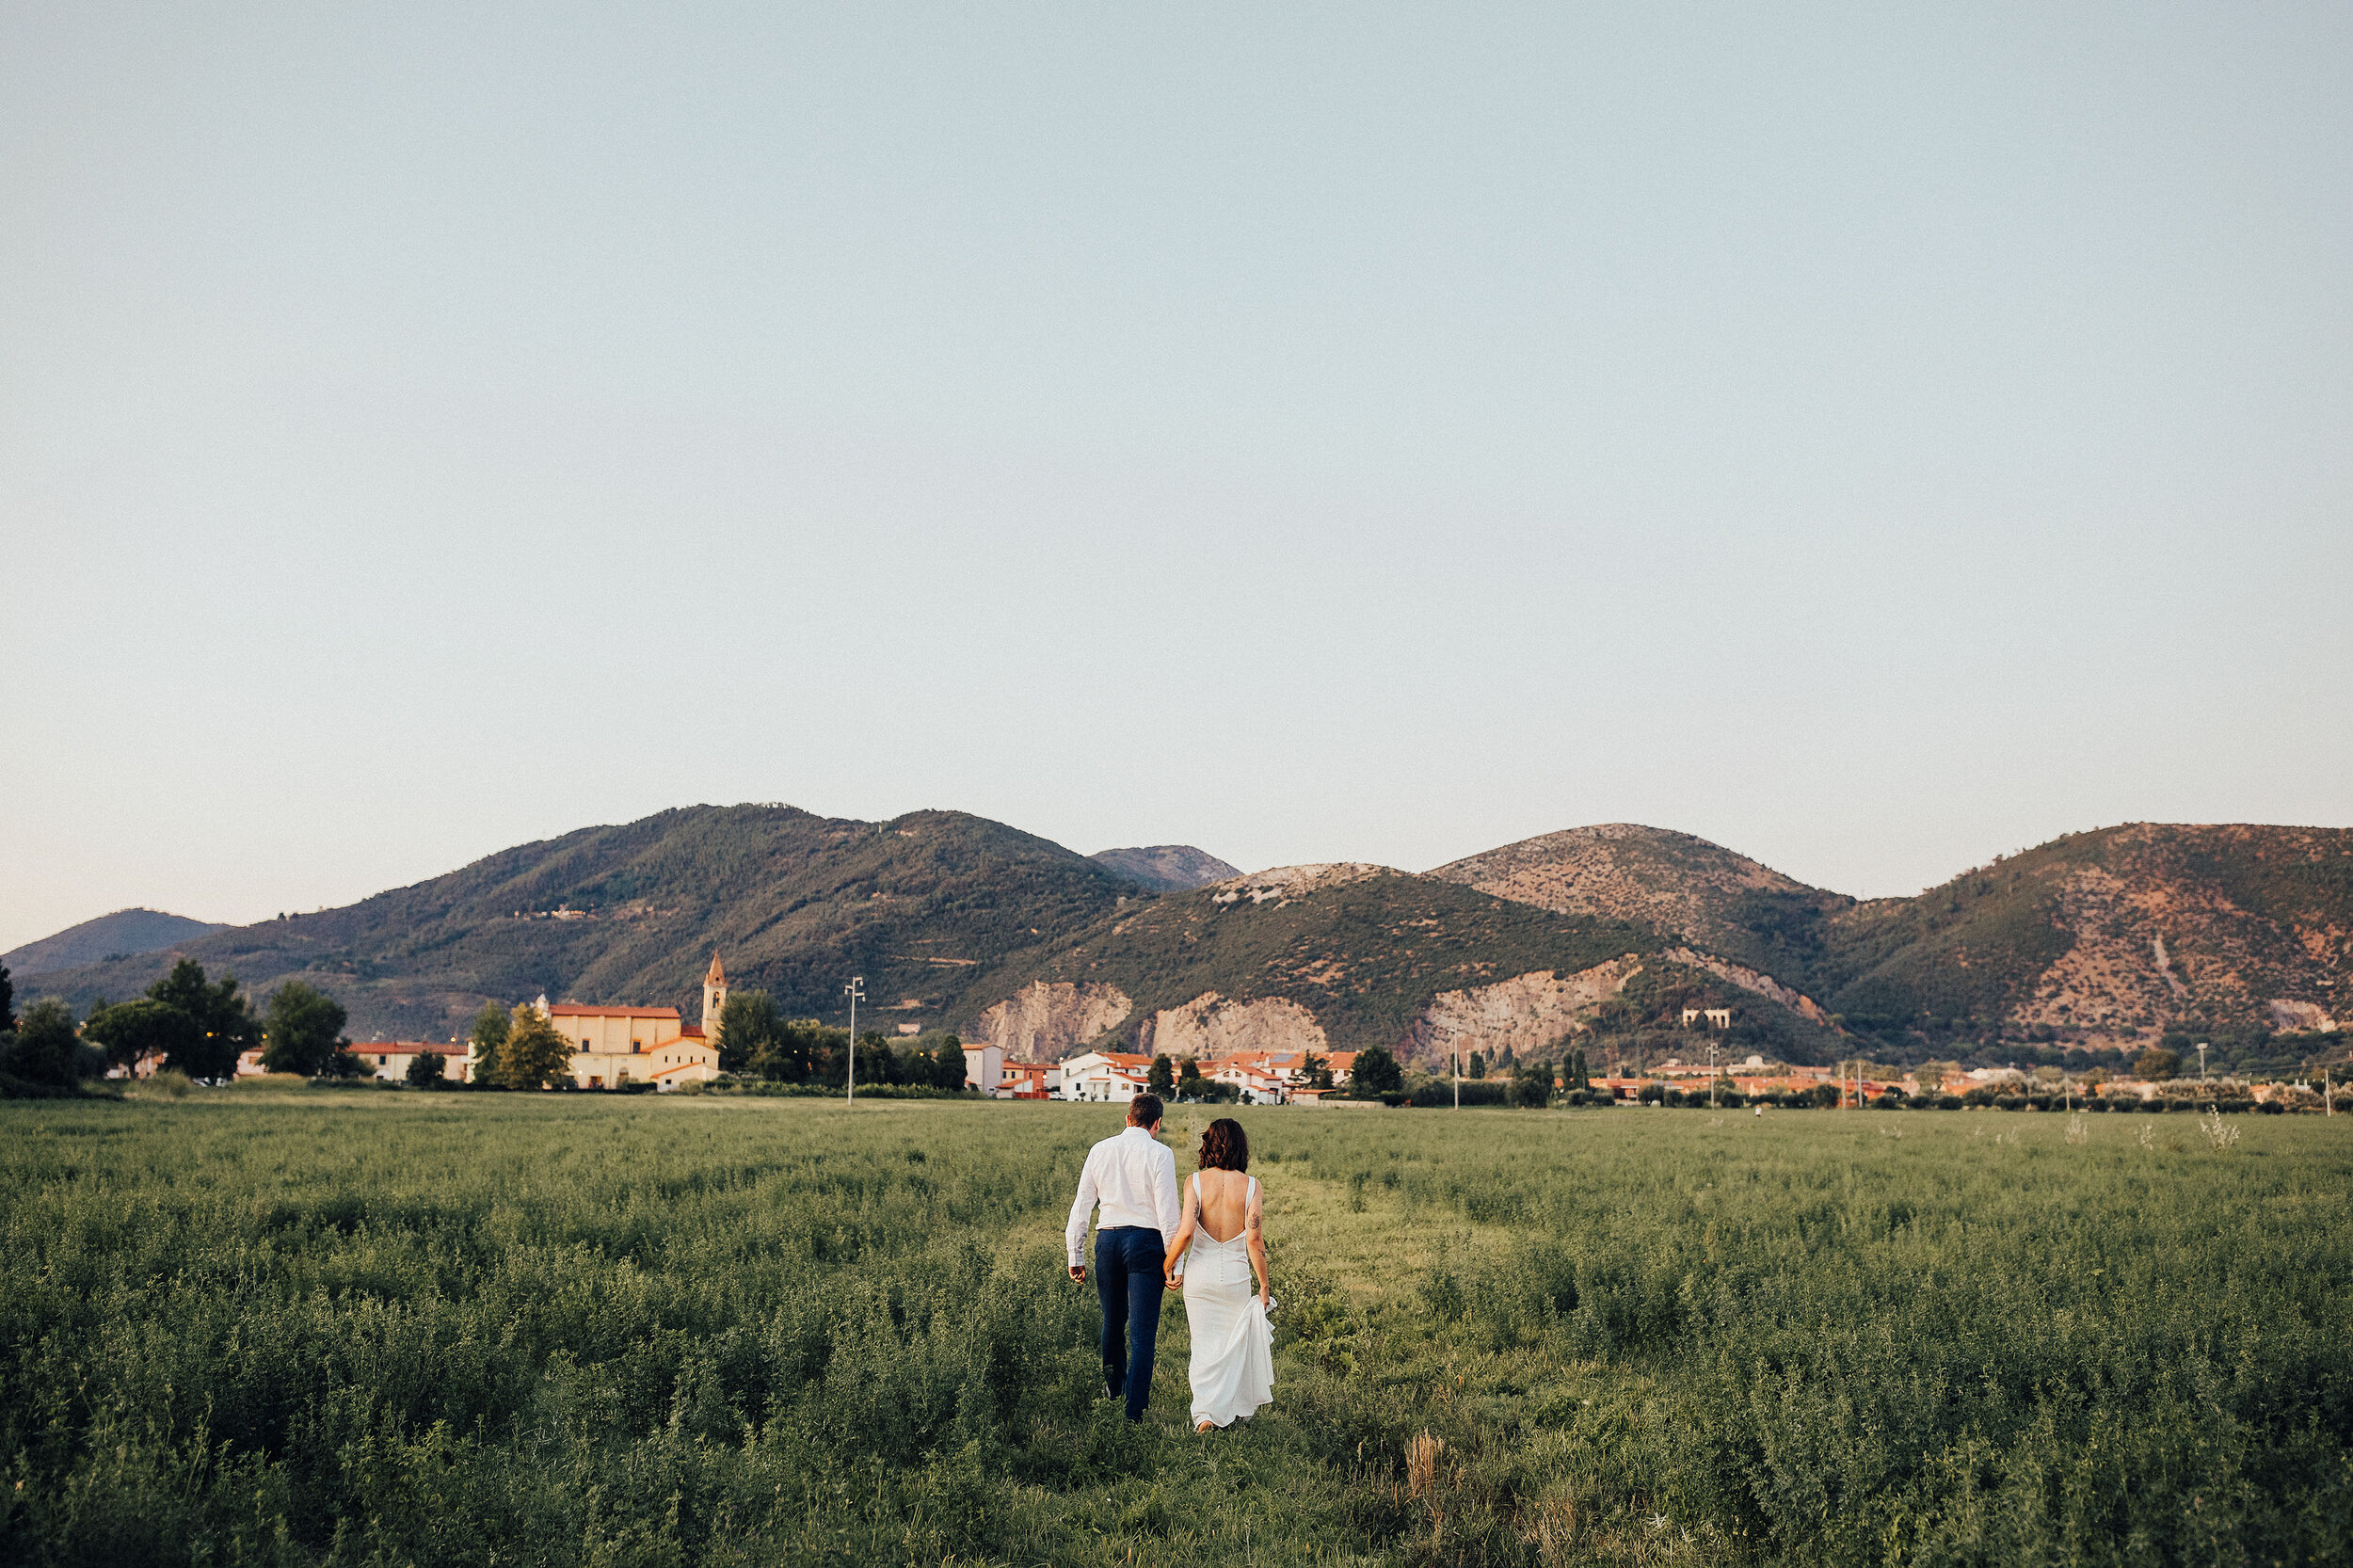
<point>584,1010</point>
<point>690,1032</point>
<point>406,1048</point>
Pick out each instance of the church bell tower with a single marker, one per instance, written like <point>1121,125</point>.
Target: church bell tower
<point>714,999</point>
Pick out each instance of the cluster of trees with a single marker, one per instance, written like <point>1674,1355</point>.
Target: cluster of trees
<point>1180,1078</point>
<point>1533,1084</point>
<point>756,1040</point>
<point>40,1054</point>
<point>186,1023</point>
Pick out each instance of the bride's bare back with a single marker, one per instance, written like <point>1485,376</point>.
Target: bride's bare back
<point>1227,1211</point>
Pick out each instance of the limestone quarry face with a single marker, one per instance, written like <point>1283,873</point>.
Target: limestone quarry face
<point>2287,1015</point>
<point>1756,980</point>
<point>1528,1014</point>
<point>1210,1025</point>
<point>1047,1020</point>
<point>1289,882</point>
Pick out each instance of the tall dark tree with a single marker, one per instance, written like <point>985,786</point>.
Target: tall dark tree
<point>426,1070</point>
<point>488,1035</point>
<point>749,1024</point>
<point>877,1065</point>
<point>1376,1072</point>
<point>7,1003</point>
<point>1161,1079</point>
<point>1531,1084</point>
<point>43,1048</point>
<point>1190,1084</point>
<point>222,1025</point>
<point>302,1031</point>
<point>1579,1080</point>
<point>948,1064</point>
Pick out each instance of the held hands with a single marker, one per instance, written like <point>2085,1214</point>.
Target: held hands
<point>1078,1272</point>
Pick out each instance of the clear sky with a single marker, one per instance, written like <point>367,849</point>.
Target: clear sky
<point>1873,437</point>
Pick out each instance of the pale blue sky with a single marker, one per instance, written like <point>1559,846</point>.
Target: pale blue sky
<point>1873,437</point>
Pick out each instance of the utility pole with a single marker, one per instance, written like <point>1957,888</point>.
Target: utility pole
<point>1455,1056</point>
<point>2201,1062</point>
<point>857,989</point>
<point>1711,1075</point>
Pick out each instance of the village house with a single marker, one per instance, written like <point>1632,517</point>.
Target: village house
<point>1028,1080</point>
<point>1256,1084</point>
<point>391,1059</point>
<point>985,1070</point>
<point>1103,1075</point>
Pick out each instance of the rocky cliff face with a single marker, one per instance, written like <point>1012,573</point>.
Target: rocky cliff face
<point>1284,882</point>
<point>1527,1014</point>
<point>1047,1020</point>
<point>1752,980</point>
<point>1209,1025</point>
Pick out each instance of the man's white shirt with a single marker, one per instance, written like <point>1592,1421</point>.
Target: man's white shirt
<point>1133,1177</point>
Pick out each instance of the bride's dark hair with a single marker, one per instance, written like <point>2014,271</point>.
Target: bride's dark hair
<point>1226,1146</point>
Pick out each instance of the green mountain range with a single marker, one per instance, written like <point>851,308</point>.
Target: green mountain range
<point>2115,937</point>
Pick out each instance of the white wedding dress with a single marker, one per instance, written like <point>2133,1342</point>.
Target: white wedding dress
<point>1233,1348</point>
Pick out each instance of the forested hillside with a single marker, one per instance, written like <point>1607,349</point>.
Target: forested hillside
<point>793,903</point>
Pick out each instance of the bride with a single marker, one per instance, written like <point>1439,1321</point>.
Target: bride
<point>1233,1350</point>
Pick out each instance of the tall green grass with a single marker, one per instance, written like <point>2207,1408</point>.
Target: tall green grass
<point>398,1328</point>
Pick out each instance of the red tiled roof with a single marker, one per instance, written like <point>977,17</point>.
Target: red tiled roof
<point>689,1032</point>
<point>584,1010</point>
<point>406,1048</point>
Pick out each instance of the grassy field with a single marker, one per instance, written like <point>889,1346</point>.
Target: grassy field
<point>388,1328</point>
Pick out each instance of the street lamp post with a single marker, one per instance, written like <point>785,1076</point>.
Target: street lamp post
<point>1455,1057</point>
<point>2201,1062</point>
<point>1711,1075</point>
<point>857,990</point>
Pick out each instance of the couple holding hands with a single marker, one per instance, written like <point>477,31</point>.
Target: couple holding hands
<point>1148,1242</point>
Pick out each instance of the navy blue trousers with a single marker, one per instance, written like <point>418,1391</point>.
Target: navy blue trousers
<point>1127,1278</point>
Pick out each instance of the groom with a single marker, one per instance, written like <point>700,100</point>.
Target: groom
<point>1133,1177</point>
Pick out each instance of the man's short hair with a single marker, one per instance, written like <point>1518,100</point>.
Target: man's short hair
<point>1145,1111</point>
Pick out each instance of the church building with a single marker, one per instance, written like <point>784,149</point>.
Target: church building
<point>613,1045</point>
